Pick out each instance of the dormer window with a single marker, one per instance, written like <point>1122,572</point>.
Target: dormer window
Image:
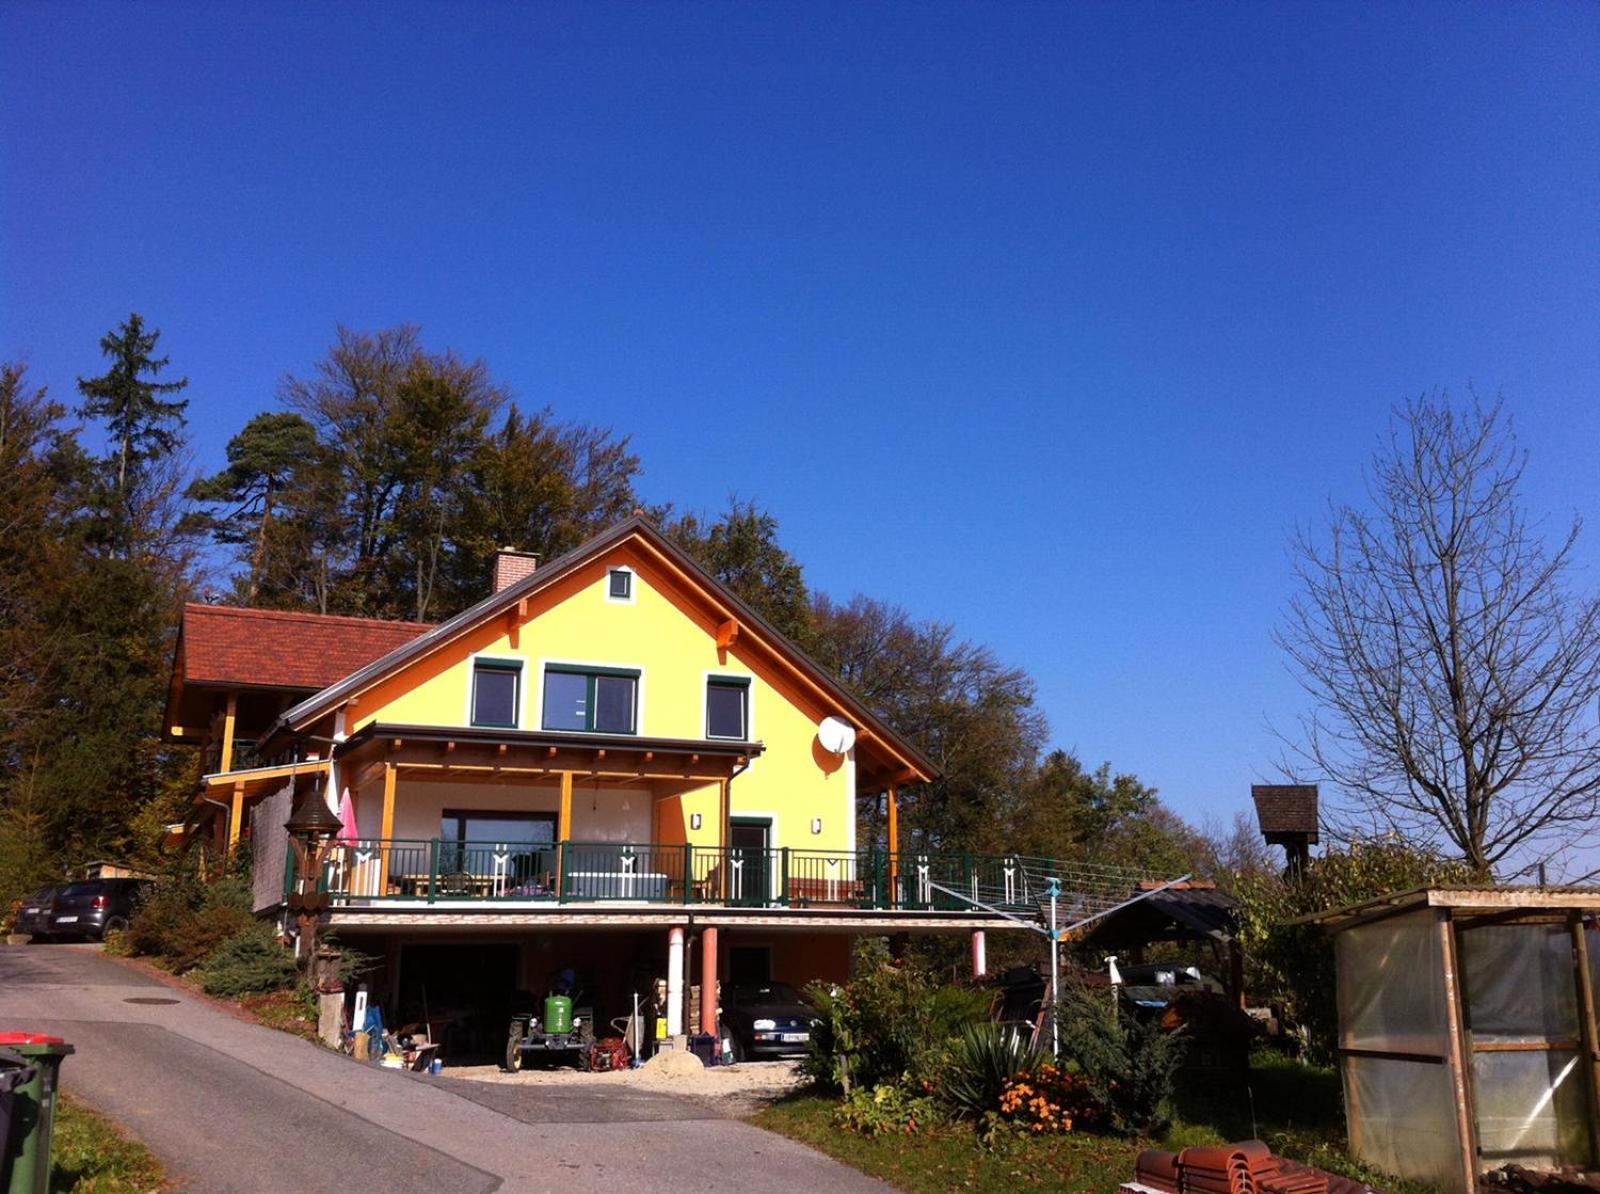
<point>495,689</point>
<point>619,582</point>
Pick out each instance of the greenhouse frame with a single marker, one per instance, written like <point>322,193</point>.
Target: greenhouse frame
<point>1467,1036</point>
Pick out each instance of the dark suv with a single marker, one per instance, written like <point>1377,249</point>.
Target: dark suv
<point>94,907</point>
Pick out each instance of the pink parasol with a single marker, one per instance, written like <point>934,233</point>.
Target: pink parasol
<point>349,832</point>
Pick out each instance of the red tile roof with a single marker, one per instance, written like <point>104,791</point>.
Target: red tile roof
<point>225,644</point>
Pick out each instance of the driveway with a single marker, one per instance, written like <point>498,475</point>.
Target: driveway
<point>231,1106</point>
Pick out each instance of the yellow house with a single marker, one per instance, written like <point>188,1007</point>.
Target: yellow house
<point>610,765</point>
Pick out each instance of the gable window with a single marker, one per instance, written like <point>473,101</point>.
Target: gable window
<point>604,700</point>
<point>727,707</point>
<point>494,693</point>
<point>620,581</point>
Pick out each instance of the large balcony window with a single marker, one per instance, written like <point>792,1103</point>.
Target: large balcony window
<point>603,700</point>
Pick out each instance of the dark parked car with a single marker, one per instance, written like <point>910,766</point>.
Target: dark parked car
<point>35,915</point>
<point>767,1020</point>
<point>94,907</point>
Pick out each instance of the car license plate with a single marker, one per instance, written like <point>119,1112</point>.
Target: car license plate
<point>790,1038</point>
<point>65,920</point>
<point>30,912</point>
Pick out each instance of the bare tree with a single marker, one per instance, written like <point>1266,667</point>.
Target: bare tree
<point>1454,671</point>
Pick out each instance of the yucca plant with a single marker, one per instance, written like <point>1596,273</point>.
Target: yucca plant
<point>979,1063</point>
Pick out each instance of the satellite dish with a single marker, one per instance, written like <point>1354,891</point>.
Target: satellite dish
<point>836,735</point>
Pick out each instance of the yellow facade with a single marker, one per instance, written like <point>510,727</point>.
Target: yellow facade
<point>806,794</point>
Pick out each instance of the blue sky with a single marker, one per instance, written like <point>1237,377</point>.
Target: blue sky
<point>1051,321</point>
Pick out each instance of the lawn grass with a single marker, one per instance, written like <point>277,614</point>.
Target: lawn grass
<point>1297,1113</point>
<point>91,1155</point>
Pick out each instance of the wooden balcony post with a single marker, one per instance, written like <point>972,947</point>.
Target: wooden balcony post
<point>228,720</point>
<point>386,832</point>
<point>236,817</point>
<point>563,834</point>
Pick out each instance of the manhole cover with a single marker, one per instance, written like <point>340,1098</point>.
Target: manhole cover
<point>148,999</point>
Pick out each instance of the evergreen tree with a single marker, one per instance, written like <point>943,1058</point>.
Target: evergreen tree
<point>143,426</point>
<point>264,500</point>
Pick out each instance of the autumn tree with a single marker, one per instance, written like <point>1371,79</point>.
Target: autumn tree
<point>542,485</point>
<point>740,548</point>
<point>436,469</point>
<point>973,715</point>
<point>1455,673</point>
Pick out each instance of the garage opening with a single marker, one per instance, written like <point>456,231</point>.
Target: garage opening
<point>462,992</point>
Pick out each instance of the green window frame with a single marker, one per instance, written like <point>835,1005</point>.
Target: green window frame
<point>497,668</point>
<point>598,684</point>
<point>723,686</point>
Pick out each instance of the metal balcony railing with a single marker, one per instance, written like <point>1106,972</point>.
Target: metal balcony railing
<point>439,870</point>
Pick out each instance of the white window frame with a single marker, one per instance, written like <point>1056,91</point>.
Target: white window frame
<point>633,585</point>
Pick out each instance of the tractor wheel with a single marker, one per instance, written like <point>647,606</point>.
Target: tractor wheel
<point>511,1063</point>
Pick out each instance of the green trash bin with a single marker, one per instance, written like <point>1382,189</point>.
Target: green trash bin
<point>25,1168</point>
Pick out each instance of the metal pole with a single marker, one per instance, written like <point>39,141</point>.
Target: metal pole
<point>1054,887</point>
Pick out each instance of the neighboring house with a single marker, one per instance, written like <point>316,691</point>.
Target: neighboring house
<point>610,765</point>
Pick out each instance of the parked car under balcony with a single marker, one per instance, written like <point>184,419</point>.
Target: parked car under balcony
<point>767,1020</point>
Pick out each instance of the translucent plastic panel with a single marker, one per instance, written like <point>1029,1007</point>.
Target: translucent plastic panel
<point>1391,989</point>
<point>1519,982</point>
<point>1403,1118</point>
<point>1530,1108</point>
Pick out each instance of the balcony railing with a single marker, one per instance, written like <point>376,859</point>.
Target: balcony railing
<point>436,870</point>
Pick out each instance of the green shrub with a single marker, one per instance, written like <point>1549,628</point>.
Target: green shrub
<point>889,1023</point>
<point>1292,965</point>
<point>980,1062</point>
<point>184,918</point>
<point>1127,1063</point>
<point>886,1108</point>
<point>251,962</point>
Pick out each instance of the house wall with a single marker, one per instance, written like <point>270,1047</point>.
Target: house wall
<point>673,644</point>
<point>605,816</point>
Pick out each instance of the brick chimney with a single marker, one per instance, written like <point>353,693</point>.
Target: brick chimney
<point>511,565</point>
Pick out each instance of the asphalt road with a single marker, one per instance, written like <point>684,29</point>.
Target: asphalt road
<point>230,1106</point>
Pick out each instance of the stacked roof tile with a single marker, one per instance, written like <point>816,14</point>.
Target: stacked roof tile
<point>229,645</point>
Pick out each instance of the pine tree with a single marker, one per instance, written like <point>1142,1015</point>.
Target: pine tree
<point>143,425</point>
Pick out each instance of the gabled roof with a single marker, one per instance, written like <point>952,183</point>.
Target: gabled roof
<point>674,559</point>
<point>1180,912</point>
<point>233,647</point>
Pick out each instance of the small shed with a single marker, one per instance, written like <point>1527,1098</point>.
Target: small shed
<point>1191,911</point>
<point>1467,1036</point>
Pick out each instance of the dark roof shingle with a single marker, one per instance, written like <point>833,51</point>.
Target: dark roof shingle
<point>226,644</point>
<point>1286,808</point>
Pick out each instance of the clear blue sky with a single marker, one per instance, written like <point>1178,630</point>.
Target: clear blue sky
<point>1048,320</point>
